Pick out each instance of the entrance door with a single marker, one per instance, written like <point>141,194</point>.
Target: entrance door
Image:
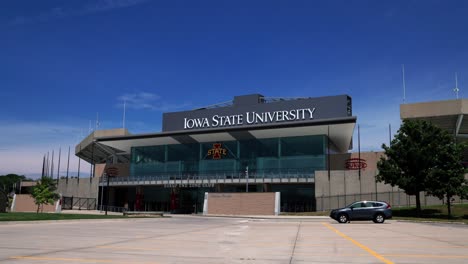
<point>191,200</point>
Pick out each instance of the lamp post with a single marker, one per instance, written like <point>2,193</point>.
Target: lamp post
<point>104,175</point>
<point>108,191</point>
<point>247,179</point>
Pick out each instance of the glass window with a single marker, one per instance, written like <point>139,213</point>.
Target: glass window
<point>251,149</point>
<point>299,146</point>
<point>358,205</point>
<point>288,155</point>
<point>182,152</point>
<point>148,154</point>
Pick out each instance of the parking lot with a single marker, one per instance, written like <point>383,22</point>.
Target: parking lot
<point>195,239</point>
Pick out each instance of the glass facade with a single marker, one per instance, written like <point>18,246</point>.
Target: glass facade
<point>263,158</point>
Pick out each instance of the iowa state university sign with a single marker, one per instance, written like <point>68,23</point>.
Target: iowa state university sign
<point>249,118</point>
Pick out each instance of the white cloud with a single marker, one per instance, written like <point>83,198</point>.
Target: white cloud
<point>147,101</point>
<point>28,161</point>
<point>13,133</point>
<point>104,5</point>
<point>141,100</point>
<point>374,126</point>
<point>24,144</point>
<point>89,8</point>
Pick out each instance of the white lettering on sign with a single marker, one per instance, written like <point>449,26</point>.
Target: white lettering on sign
<point>250,118</point>
<point>188,185</point>
<point>196,123</point>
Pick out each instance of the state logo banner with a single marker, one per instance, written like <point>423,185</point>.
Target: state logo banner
<point>217,152</point>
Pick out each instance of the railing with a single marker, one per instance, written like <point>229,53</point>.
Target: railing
<point>110,208</point>
<point>78,203</point>
<point>227,175</point>
<point>395,198</point>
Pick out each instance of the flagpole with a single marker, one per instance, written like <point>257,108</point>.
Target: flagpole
<point>359,150</point>
<point>404,82</point>
<point>390,134</point>
<point>79,166</point>
<point>58,167</point>
<point>47,165</point>
<point>52,166</point>
<point>97,121</point>
<point>125,101</point>
<point>68,163</point>
<point>43,166</point>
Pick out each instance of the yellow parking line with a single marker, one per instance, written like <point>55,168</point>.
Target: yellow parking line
<point>422,246</point>
<point>427,256</point>
<point>370,251</point>
<point>65,259</point>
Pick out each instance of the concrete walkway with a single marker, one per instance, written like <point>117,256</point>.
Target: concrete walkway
<point>97,212</point>
<point>92,212</point>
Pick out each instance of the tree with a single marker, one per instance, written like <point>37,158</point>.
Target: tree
<point>411,157</point>
<point>447,179</point>
<point>44,192</point>
<point>10,181</point>
<point>3,201</point>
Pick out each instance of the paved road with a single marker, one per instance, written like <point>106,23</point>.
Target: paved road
<point>187,239</point>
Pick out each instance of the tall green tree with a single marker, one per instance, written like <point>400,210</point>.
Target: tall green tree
<point>10,181</point>
<point>411,156</point>
<point>45,192</point>
<point>447,179</point>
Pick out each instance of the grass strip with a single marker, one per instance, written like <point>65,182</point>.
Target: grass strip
<point>16,216</point>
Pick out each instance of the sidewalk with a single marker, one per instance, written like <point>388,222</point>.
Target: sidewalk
<point>294,217</point>
<point>93,212</point>
<point>270,217</point>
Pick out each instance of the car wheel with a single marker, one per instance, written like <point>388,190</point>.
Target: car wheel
<point>343,218</point>
<point>379,218</point>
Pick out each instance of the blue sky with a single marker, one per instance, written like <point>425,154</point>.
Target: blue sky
<point>64,61</point>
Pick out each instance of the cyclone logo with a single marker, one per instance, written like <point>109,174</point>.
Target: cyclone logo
<point>112,171</point>
<point>355,164</point>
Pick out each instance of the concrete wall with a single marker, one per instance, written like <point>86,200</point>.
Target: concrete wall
<point>100,133</point>
<point>25,203</point>
<point>83,187</point>
<point>338,161</point>
<point>345,187</point>
<point>241,203</point>
<point>435,108</point>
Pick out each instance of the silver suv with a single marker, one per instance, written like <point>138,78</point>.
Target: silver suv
<point>363,210</point>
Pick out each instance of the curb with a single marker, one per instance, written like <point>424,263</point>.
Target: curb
<point>266,217</point>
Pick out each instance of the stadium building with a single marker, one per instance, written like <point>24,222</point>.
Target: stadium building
<point>250,144</point>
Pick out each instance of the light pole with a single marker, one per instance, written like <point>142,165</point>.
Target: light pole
<point>104,175</point>
<point>108,191</point>
<point>247,179</point>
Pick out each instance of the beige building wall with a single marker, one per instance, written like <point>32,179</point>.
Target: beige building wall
<point>82,188</point>
<point>25,203</point>
<point>241,203</point>
<point>370,159</point>
<point>89,187</point>
<point>434,109</point>
<point>345,187</point>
